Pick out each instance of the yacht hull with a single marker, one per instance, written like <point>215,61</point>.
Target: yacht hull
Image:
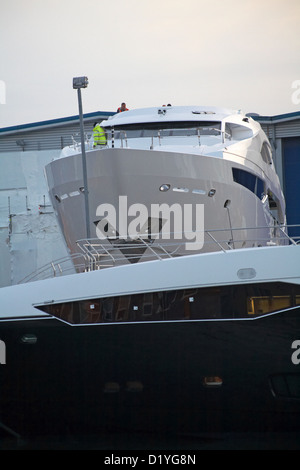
<point>122,178</point>
<point>203,343</point>
<point>151,377</point>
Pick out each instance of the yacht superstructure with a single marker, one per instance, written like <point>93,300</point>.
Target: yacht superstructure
<point>172,173</point>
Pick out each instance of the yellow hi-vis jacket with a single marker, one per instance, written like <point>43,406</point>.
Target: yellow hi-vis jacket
<point>99,135</point>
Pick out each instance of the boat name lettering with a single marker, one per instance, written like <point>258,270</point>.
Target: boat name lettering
<point>296,354</point>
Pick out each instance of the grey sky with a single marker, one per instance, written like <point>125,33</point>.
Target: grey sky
<point>241,54</point>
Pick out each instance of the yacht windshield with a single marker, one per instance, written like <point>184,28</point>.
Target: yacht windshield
<point>168,129</point>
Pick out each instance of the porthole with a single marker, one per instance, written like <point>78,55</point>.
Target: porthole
<point>164,187</point>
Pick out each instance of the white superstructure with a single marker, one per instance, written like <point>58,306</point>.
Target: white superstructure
<point>170,161</point>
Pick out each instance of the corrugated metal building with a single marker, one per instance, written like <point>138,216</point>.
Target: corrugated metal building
<point>47,135</point>
<point>29,233</point>
<point>283,132</point>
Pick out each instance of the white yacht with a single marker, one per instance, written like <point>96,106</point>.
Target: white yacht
<point>171,173</point>
<point>208,342</point>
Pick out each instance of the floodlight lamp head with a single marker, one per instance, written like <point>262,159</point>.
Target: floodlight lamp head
<point>80,82</point>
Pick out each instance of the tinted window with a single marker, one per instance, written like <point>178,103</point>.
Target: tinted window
<point>249,181</point>
<point>222,302</point>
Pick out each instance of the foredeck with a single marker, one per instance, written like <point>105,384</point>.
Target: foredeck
<point>95,254</point>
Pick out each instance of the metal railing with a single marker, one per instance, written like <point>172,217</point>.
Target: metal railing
<point>95,254</point>
<point>117,251</point>
<point>58,267</point>
<point>124,136</point>
<point>159,134</point>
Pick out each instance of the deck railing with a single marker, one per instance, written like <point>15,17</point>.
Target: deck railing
<point>95,254</point>
<point>121,138</point>
<point>158,135</point>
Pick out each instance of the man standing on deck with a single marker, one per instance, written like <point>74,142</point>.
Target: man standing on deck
<point>122,108</point>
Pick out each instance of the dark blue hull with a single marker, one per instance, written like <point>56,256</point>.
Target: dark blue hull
<point>179,377</point>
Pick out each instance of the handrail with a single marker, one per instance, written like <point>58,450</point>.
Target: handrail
<point>95,254</point>
<point>120,252</point>
<point>113,135</point>
<point>55,268</point>
<point>159,134</point>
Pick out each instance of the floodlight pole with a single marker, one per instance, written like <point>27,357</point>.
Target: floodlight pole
<point>78,83</point>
